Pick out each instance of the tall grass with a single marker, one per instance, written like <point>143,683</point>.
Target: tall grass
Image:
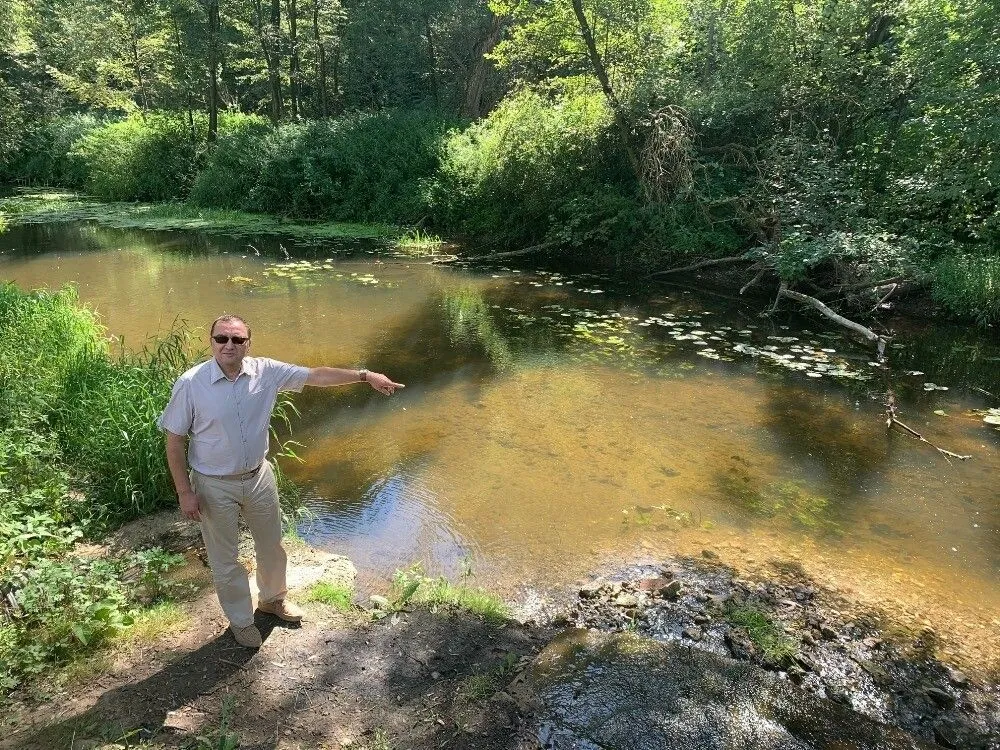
<point>969,286</point>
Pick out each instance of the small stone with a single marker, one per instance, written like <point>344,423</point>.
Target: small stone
<point>702,597</point>
<point>958,678</point>
<point>591,590</point>
<point>626,600</point>
<point>947,734</point>
<point>872,642</point>
<point>435,675</point>
<point>739,644</point>
<point>652,584</point>
<point>942,698</point>
<point>838,694</point>
<point>702,619</point>
<point>827,632</point>
<point>808,640</point>
<point>796,674</point>
<point>709,554</point>
<point>804,661</point>
<point>672,590</point>
<point>693,633</point>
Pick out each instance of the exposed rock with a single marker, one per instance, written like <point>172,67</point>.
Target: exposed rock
<point>626,600</point>
<point>958,678</point>
<point>702,619</point>
<point>739,644</point>
<point>804,661</point>
<point>591,589</point>
<point>672,590</point>
<point>709,554</point>
<point>652,584</point>
<point>827,632</point>
<point>942,698</point>
<point>838,694</point>
<point>694,633</point>
<point>808,639</point>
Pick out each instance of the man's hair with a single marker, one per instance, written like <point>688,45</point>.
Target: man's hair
<point>227,318</point>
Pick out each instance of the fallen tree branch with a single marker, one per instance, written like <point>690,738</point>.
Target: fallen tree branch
<point>867,285</point>
<point>754,280</point>
<point>868,334</point>
<point>702,264</point>
<point>891,420</point>
<point>508,253</point>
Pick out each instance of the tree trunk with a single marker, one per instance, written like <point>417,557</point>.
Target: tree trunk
<point>433,59</point>
<point>182,59</point>
<point>213,70</point>
<point>293,59</point>
<point>320,60</point>
<point>272,52</point>
<point>624,129</point>
<point>472,106</point>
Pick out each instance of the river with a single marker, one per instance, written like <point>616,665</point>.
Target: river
<point>553,424</point>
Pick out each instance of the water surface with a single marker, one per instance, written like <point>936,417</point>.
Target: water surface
<point>553,424</point>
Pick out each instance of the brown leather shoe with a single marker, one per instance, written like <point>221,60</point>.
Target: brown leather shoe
<point>248,636</point>
<point>282,609</point>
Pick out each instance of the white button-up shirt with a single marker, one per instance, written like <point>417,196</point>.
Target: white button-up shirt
<point>227,421</point>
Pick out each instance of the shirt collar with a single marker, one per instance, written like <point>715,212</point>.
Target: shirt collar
<point>246,367</point>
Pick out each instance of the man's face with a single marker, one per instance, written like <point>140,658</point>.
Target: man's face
<point>229,352</point>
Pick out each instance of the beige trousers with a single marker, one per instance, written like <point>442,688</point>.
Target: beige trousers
<point>222,502</point>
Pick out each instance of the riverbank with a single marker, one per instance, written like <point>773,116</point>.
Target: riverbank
<point>816,668</point>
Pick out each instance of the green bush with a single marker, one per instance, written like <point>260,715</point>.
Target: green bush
<point>968,286</point>
<point>151,158</point>
<point>44,158</point>
<point>235,163</point>
<point>357,168</point>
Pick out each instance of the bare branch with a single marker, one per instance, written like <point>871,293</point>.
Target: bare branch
<point>702,264</point>
<point>867,333</point>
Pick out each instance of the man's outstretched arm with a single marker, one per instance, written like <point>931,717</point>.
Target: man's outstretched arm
<point>328,376</point>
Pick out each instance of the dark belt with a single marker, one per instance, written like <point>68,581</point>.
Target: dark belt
<point>243,475</point>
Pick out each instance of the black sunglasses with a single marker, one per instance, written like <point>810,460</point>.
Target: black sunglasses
<point>238,340</point>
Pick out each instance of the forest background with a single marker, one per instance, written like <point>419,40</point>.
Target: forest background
<point>844,148</point>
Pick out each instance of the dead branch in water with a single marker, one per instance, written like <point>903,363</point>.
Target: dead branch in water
<point>868,334</point>
<point>702,264</point>
<point>891,420</point>
<point>506,254</point>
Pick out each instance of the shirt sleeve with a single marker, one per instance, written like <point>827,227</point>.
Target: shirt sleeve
<point>178,415</point>
<point>286,377</point>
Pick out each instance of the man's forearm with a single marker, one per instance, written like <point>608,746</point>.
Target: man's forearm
<point>330,376</point>
<point>177,461</point>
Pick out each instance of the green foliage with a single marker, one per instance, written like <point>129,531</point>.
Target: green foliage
<point>412,585</point>
<point>765,633</point>
<point>968,286</point>
<point>44,157</point>
<point>142,158</point>
<point>78,451</point>
<point>357,168</point>
<point>338,596</point>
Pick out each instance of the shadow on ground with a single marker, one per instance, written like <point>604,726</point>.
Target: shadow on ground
<point>424,680</point>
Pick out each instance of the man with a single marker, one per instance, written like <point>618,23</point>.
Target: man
<point>217,424</point>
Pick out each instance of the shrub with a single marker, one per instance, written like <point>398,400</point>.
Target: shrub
<point>151,158</point>
<point>357,168</point>
<point>234,164</point>
<point>968,286</point>
<point>44,158</point>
